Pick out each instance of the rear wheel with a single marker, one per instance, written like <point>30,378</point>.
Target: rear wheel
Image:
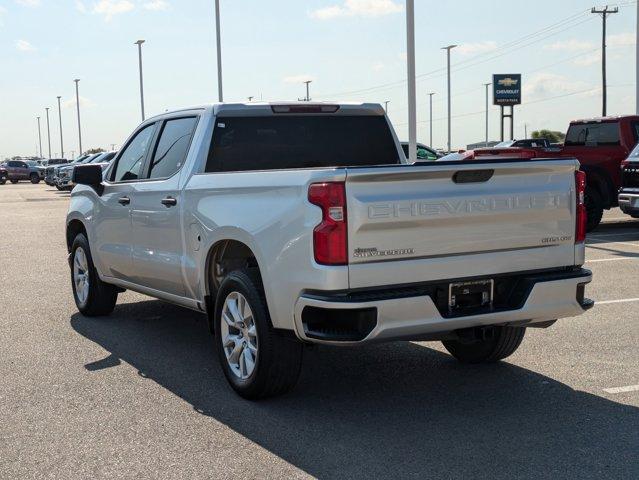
<point>3,179</point>
<point>502,344</point>
<point>14,181</point>
<point>594,208</point>
<point>92,296</point>
<point>257,360</point>
<point>35,178</point>
<point>58,187</point>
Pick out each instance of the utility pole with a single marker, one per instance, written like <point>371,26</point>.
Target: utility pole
<point>604,15</point>
<point>448,49</point>
<point>219,51</point>
<point>39,137</point>
<point>48,132</point>
<point>77,101</point>
<point>308,96</point>
<point>430,101</point>
<point>412,81</point>
<point>139,44</point>
<point>487,85</point>
<point>386,106</point>
<point>60,118</point>
<point>112,146</point>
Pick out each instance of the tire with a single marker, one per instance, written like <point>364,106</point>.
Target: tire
<point>14,181</point>
<point>97,298</point>
<point>594,208</point>
<point>58,188</point>
<point>504,344</point>
<point>3,180</point>
<point>276,359</point>
<point>35,178</point>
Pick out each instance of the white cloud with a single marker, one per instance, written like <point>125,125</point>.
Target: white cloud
<point>475,48</point>
<point>80,6</point>
<point>358,8</point>
<point>587,60</point>
<point>378,67</point>
<point>110,8</point>
<point>24,46</point>
<point>29,3</point>
<point>571,45</point>
<point>298,78</point>
<point>542,85</point>
<point>156,5</point>
<point>621,40</point>
<point>84,103</point>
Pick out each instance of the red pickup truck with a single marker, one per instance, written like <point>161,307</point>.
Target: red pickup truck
<point>600,145</point>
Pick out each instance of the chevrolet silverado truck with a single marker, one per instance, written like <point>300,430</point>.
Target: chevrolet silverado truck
<point>303,223</point>
<point>600,145</point>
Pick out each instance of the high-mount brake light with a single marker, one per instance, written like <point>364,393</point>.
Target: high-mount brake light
<point>330,237</point>
<point>582,215</point>
<point>304,108</point>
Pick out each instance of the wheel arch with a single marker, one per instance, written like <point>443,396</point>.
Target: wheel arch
<point>74,227</point>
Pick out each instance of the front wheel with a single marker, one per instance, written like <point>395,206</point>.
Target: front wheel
<point>3,180</point>
<point>257,361</point>
<point>35,178</point>
<point>14,181</point>
<point>92,296</point>
<point>502,344</point>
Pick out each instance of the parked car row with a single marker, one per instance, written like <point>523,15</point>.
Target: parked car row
<point>61,175</point>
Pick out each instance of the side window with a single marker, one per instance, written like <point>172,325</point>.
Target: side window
<point>172,147</point>
<point>130,163</point>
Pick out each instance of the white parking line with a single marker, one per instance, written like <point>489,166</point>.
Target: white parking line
<point>607,242</point>
<point>616,259</point>
<point>629,388</point>
<point>622,300</point>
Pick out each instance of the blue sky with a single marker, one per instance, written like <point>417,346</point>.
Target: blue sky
<point>352,49</point>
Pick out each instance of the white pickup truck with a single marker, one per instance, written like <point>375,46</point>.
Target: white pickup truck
<point>291,224</point>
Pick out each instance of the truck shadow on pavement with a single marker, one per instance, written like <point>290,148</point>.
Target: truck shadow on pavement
<point>392,410</point>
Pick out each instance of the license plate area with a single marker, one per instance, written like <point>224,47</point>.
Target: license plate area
<point>469,297</point>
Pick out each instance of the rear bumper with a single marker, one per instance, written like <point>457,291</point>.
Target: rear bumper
<point>629,201</point>
<point>416,313</point>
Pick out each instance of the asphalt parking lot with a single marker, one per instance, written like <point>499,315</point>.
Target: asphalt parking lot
<point>140,394</point>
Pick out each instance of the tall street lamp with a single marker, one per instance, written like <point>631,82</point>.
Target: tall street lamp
<point>386,106</point>
<point>412,88</point>
<point>430,102</point>
<point>448,49</point>
<point>77,101</point>
<point>60,118</point>
<point>139,44</point>
<point>39,137</point>
<point>220,96</point>
<point>487,85</point>
<point>48,132</point>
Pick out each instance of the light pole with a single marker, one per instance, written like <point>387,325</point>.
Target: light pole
<point>218,36</point>
<point>60,118</point>
<point>448,49</point>
<point>308,92</point>
<point>386,106</point>
<point>412,88</point>
<point>77,101</point>
<point>39,137</point>
<point>487,85</point>
<point>430,101</point>
<point>139,44</point>
<point>48,132</point>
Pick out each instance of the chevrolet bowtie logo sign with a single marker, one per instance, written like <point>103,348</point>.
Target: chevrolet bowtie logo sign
<point>508,82</point>
<point>507,89</point>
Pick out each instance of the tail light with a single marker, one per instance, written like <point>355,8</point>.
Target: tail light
<point>330,237</point>
<point>582,216</point>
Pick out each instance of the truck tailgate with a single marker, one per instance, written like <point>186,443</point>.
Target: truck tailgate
<point>411,224</point>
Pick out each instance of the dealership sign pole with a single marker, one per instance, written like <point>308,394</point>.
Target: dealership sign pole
<point>507,93</point>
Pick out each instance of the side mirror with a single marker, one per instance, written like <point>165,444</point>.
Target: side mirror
<point>90,175</point>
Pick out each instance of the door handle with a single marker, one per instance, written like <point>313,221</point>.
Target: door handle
<point>169,202</point>
<point>124,200</point>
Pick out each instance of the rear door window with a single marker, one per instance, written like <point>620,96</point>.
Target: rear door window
<point>173,146</point>
<point>130,163</point>
<point>593,134</point>
<point>300,141</point>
